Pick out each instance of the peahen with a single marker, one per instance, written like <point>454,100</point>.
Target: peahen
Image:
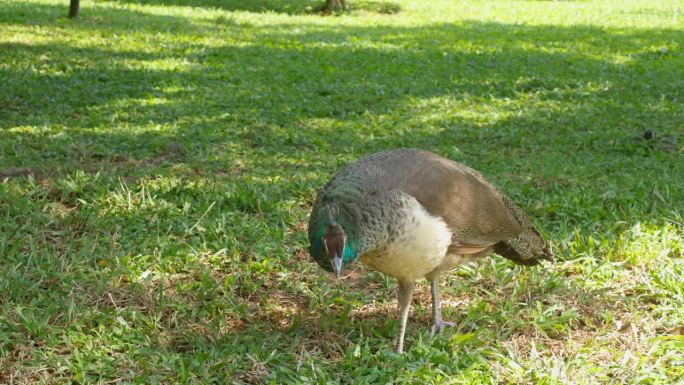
<point>412,214</point>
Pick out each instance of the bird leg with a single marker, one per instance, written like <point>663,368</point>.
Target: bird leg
<point>439,323</point>
<point>405,294</point>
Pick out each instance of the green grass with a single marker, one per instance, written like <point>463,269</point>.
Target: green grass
<point>175,147</point>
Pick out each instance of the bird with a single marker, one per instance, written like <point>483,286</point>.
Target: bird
<point>412,214</point>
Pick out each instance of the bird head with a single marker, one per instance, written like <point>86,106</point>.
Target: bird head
<point>541,247</point>
<point>335,243</point>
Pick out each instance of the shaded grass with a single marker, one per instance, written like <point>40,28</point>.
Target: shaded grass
<point>175,152</point>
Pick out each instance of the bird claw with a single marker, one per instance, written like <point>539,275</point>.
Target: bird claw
<point>439,326</point>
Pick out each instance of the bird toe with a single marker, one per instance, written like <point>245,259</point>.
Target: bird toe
<point>439,326</point>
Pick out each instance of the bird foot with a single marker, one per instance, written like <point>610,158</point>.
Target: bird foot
<point>439,326</point>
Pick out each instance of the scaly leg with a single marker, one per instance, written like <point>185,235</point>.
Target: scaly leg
<point>439,323</point>
<point>405,294</point>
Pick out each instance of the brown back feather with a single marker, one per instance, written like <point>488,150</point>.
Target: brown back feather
<point>478,215</point>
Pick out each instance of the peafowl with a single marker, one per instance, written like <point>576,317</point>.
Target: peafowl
<point>412,214</point>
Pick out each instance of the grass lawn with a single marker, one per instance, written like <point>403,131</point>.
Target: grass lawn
<point>158,160</point>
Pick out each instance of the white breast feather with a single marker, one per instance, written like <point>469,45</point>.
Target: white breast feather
<point>419,248</point>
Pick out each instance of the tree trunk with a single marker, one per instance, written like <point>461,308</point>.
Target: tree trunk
<point>73,8</point>
<point>332,5</point>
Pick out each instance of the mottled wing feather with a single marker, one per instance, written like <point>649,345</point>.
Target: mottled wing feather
<point>473,209</point>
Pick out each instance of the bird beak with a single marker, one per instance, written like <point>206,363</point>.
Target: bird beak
<point>337,265</point>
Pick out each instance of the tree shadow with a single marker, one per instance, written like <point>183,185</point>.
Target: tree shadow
<point>288,7</point>
<point>419,76</point>
<point>105,17</point>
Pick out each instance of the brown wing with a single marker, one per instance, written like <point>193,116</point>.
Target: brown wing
<point>473,209</point>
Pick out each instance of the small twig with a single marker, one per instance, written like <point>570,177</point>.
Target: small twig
<point>202,217</point>
<point>113,302</point>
